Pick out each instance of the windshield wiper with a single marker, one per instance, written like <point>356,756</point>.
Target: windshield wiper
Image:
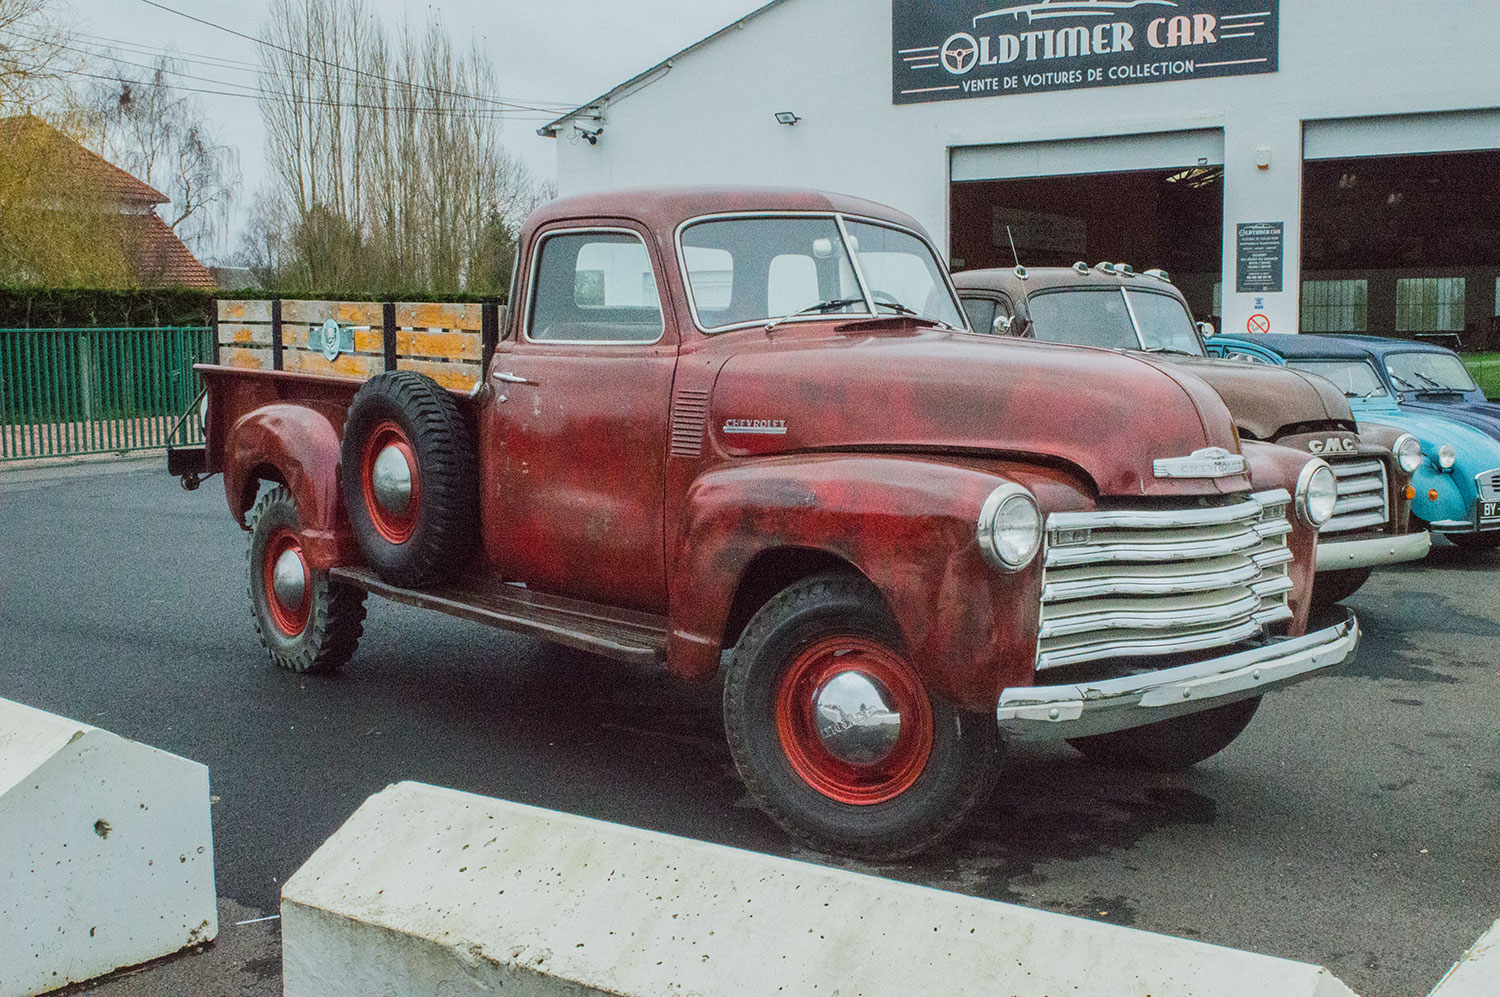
<point>1437,386</point>
<point>822,307</point>
<point>1169,349</point>
<point>901,309</point>
<point>1401,382</point>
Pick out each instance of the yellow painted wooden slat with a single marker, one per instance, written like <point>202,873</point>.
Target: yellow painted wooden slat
<point>257,359</point>
<point>444,345</point>
<point>347,365</point>
<point>462,375</point>
<point>434,315</point>
<point>239,334</point>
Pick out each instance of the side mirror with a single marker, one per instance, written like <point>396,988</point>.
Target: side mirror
<point>1205,329</point>
<point>1002,325</point>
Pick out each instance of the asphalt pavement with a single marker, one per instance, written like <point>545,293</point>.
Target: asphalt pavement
<point>1355,824</point>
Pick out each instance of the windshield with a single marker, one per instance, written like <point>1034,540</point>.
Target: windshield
<point>902,273</point>
<point>1083,318</point>
<point>1109,317</point>
<point>1355,378</point>
<point>752,271</point>
<point>1428,372</point>
<point>1164,322</point>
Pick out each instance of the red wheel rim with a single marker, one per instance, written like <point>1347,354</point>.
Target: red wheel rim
<point>835,778</point>
<point>393,527</point>
<point>290,620</point>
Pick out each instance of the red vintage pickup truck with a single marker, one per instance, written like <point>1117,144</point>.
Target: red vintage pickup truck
<point>757,422</point>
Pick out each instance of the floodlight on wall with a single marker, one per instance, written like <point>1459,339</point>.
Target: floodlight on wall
<point>787,118</point>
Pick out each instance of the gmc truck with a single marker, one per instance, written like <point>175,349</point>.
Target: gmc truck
<point>748,435</point>
<point>1114,307</point>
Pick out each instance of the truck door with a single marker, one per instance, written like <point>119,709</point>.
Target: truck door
<point>574,446</point>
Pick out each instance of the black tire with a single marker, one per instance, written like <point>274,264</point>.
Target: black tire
<point>1331,587</point>
<point>1475,543</point>
<point>934,794</point>
<point>429,543</point>
<point>1171,745</point>
<point>332,616</point>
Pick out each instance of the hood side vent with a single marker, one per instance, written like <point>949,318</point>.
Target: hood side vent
<point>689,416</point>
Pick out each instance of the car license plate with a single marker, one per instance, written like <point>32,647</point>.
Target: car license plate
<point>1489,510</point>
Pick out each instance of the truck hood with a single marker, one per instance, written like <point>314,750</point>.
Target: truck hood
<point>1266,400</point>
<point>904,387</point>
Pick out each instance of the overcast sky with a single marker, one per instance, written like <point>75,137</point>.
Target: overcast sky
<point>569,52</point>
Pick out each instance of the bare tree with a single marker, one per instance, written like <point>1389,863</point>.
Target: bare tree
<point>159,133</point>
<point>31,47</point>
<point>386,145</point>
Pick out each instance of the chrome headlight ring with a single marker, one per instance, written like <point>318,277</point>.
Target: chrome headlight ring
<point>1317,492</point>
<point>1408,453</point>
<point>1010,528</point>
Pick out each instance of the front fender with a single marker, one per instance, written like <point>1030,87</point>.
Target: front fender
<point>301,444</point>
<point>908,524</point>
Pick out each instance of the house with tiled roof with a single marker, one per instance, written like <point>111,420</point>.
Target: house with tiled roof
<point>155,256</point>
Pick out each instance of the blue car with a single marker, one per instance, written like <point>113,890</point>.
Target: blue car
<point>1458,485</point>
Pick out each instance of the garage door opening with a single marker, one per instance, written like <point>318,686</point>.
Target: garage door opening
<point>1167,218</point>
<point>1403,246</point>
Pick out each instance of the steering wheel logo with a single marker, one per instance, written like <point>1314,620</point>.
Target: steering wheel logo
<point>960,53</point>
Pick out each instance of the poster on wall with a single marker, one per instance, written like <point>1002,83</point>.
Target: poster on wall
<point>956,49</point>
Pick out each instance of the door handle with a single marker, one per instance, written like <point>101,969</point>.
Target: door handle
<point>510,378</point>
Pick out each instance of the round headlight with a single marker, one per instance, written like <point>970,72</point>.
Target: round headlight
<point>1317,491</point>
<point>1010,528</point>
<point>1447,456</point>
<point>1408,453</point>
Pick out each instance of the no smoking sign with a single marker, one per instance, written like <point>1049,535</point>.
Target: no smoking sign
<point>1258,323</point>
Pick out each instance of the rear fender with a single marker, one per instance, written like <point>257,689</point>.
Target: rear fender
<point>301,444</point>
<point>908,525</point>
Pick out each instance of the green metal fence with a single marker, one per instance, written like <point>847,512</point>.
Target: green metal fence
<point>87,391</point>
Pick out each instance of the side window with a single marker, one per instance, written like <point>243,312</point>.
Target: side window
<point>981,312</point>
<point>594,287</point>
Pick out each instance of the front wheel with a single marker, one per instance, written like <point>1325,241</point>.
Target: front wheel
<point>306,622</point>
<point>834,733</point>
<point>1171,745</point>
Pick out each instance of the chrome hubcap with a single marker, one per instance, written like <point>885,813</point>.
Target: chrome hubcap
<point>392,480</point>
<point>289,579</point>
<point>854,719</point>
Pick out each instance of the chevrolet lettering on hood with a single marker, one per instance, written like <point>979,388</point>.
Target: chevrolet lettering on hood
<point>1210,462</point>
<point>762,427</point>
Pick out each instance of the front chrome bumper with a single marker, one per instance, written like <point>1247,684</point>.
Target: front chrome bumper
<point>1117,704</point>
<point>1343,555</point>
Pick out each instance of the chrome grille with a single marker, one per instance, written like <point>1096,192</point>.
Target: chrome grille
<point>1489,485</point>
<point>1163,581</point>
<point>1363,496</point>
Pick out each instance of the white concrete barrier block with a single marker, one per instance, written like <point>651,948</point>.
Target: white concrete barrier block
<point>106,852</point>
<point>433,891</point>
<point>1477,974</point>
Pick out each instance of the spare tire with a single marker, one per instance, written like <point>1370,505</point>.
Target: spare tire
<point>409,478</point>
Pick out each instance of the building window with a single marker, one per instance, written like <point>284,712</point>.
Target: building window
<point>1335,305</point>
<point>1430,304</point>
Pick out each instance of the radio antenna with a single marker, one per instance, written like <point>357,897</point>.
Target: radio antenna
<point>1020,270</point>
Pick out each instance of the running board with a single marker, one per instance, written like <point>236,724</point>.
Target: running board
<point>622,634</point>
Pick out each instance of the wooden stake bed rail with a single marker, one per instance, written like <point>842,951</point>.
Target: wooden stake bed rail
<point>443,341</point>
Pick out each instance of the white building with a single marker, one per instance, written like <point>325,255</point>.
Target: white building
<point>1325,165</point>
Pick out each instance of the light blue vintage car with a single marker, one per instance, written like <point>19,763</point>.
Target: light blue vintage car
<point>1458,484</point>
